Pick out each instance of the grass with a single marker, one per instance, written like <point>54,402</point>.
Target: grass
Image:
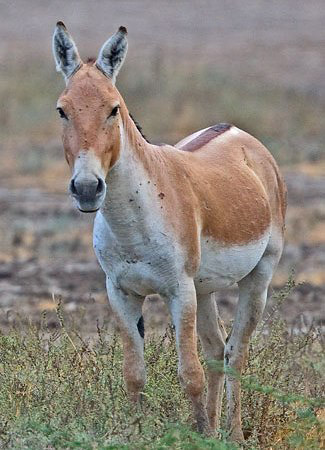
<point>59,390</point>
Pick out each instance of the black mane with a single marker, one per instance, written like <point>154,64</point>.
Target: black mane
<point>138,127</point>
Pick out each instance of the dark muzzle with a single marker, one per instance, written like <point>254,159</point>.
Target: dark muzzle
<point>88,192</point>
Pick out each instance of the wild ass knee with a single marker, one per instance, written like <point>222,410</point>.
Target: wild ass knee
<point>212,337</point>
<point>192,379</point>
<point>191,374</point>
<point>252,299</point>
<point>135,379</point>
<point>127,310</point>
<point>134,371</point>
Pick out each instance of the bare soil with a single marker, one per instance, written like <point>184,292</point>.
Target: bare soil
<point>46,255</point>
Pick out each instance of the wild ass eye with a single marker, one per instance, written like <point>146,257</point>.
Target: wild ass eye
<point>114,111</point>
<point>62,113</point>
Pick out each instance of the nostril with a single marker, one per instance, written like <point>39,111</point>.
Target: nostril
<point>87,187</point>
<point>73,189</point>
<point>100,186</point>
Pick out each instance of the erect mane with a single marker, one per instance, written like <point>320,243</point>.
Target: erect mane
<point>138,127</point>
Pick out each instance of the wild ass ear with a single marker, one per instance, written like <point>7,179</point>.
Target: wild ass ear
<point>65,52</point>
<point>112,54</point>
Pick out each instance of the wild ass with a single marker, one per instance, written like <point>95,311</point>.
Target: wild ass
<point>180,221</point>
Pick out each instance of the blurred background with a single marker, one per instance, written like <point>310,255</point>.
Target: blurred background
<point>258,65</point>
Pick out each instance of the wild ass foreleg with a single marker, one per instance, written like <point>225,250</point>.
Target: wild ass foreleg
<point>127,309</point>
<point>191,374</point>
<point>212,336</point>
<point>252,299</point>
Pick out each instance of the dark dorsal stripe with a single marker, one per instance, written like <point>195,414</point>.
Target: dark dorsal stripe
<point>206,137</point>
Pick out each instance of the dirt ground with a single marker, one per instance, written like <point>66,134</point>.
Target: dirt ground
<point>47,253</point>
<point>45,245</point>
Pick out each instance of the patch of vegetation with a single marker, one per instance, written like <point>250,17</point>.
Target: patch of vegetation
<point>284,377</point>
<point>60,391</point>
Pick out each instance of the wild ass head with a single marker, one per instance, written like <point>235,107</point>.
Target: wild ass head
<point>90,111</point>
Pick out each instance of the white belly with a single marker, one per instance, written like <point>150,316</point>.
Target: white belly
<point>223,266</point>
<point>156,265</point>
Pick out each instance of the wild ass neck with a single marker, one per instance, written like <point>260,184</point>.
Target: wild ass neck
<point>132,193</point>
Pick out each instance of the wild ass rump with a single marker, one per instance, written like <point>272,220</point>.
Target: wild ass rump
<point>180,221</point>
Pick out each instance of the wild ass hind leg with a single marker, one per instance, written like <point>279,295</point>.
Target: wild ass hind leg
<point>212,336</point>
<point>127,309</point>
<point>252,298</point>
<point>183,308</point>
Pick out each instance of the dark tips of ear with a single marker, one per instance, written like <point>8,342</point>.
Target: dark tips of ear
<point>123,30</point>
<point>61,24</point>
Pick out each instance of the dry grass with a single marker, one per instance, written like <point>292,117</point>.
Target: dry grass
<point>60,391</point>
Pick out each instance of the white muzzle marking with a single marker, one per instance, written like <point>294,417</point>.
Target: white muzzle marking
<point>87,185</point>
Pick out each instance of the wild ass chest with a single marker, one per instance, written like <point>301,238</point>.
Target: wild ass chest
<point>139,257</point>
